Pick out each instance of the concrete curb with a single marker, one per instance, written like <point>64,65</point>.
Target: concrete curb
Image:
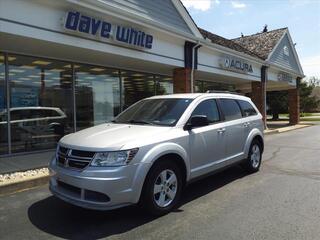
<point>286,129</point>
<point>23,184</point>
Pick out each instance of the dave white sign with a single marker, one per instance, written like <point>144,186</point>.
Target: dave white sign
<point>235,64</point>
<point>78,22</point>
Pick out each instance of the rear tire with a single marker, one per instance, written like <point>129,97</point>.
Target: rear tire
<point>253,162</point>
<point>162,188</point>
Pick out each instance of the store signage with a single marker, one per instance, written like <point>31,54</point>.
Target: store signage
<point>235,64</point>
<point>78,22</point>
<point>284,77</point>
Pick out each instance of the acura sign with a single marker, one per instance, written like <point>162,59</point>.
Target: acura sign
<point>235,64</point>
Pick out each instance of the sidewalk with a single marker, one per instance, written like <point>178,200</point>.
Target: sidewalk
<point>25,162</point>
<point>284,126</point>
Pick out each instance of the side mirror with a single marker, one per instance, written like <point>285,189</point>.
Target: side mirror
<point>196,121</point>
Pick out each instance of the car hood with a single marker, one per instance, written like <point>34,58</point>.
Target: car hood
<point>110,137</point>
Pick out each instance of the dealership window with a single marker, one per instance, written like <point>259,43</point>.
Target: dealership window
<point>3,111</point>
<point>44,94</point>
<point>136,86</point>
<point>97,95</point>
<point>41,102</point>
<point>204,86</point>
<point>164,85</point>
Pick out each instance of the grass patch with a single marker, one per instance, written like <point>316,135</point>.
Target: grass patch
<point>310,119</point>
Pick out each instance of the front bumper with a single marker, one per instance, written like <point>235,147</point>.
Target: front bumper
<point>99,188</point>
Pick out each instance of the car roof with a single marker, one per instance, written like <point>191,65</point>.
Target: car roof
<point>32,108</point>
<point>202,95</point>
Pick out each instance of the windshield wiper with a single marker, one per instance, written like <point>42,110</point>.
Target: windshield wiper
<point>140,121</point>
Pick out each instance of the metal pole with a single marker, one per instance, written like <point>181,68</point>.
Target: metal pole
<point>192,66</point>
<point>74,97</point>
<point>6,67</point>
<point>264,79</point>
<point>120,91</point>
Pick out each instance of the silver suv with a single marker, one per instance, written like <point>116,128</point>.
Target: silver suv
<point>152,150</point>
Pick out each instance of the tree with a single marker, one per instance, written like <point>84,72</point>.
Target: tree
<point>314,81</point>
<point>277,102</point>
<point>307,102</point>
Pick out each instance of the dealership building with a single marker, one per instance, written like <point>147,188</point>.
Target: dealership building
<point>71,64</point>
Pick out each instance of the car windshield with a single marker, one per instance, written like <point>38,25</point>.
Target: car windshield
<point>161,111</point>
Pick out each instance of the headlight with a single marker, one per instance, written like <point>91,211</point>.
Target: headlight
<point>119,158</point>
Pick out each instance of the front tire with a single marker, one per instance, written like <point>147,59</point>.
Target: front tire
<point>162,188</point>
<point>253,162</point>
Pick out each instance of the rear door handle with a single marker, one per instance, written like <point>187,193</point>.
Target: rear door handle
<point>221,130</point>
<point>247,124</point>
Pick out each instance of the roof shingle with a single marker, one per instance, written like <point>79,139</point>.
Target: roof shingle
<point>227,43</point>
<point>261,43</point>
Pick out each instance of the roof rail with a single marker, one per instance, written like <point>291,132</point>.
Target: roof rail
<point>215,91</point>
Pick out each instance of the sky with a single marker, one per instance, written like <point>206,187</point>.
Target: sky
<point>229,19</point>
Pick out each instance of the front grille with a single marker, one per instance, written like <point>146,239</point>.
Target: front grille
<point>74,159</point>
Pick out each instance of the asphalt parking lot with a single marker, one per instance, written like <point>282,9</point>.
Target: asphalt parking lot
<point>279,202</point>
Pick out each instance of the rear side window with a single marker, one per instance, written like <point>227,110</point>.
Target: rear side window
<point>247,108</point>
<point>20,115</point>
<point>50,113</point>
<point>208,108</point>
<point>230,109</point>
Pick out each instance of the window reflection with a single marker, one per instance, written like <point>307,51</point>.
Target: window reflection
<point>3,112</point>
<point>97,95</point>
<point>164,85</point>
<point>41,103</point>
<point>204,86</point>
<point>136,86</point>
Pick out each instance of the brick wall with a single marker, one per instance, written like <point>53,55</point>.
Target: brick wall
<point>294,106</point>
<point>258,96</point>
<point>181,80</point>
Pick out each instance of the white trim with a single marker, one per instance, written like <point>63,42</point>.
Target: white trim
<point>186,17</point>
<point>284,69</point>
<point>295,53</point>
<point>230,51</point>
<point>124,14</point>
<point>286,33</point>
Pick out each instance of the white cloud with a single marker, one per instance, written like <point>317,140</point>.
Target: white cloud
<point>202,5</point>
<point>236,4</point>
<point>311,66</point>
<point>299,3</point>
<point>229,13</point>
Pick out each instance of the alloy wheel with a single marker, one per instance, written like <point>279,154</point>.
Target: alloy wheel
<point>255,156</point>
<point>165,188</point>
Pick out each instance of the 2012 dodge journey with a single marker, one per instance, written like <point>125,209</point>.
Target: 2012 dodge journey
<point>149,152</point>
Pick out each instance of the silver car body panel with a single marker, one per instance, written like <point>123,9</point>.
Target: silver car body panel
<point>203,150</point>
